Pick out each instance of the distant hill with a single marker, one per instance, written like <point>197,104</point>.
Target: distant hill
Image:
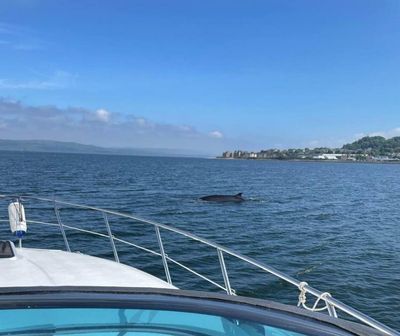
<point>49,146</point>
<point>375,145</point>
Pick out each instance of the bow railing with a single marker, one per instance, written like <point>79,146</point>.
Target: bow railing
<point>329,303</point>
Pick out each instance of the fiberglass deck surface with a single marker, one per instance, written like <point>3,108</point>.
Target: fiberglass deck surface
<point>37,267</point>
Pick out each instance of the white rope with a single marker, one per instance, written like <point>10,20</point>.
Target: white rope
<point>303,299</point>
<point>302,294</point>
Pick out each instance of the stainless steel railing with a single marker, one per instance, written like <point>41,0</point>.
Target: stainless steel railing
<point>331,304</point>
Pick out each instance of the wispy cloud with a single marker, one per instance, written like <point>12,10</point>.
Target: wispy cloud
<point>58,80</point>
<point>9,29</point>
<point>19,38</point>
<point>27,46</point>
<point>216,134</point>
<point>101,127</point>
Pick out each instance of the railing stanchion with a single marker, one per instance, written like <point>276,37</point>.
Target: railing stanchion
<point>111,237</point>
<point>57,211</point>
<point>224,272</point>
<point>163,255</point>
<point>331,310</point>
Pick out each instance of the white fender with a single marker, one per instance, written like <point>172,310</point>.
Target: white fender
<point>16,214</point>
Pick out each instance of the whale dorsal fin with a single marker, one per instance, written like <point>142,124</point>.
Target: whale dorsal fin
<point>239,195</point>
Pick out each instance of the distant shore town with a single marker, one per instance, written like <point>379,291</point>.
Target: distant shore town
<point>367,149</point>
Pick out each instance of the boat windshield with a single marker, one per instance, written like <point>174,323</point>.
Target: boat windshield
<point>125,322</point>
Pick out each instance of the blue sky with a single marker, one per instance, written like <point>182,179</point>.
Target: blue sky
<point>201,75</point>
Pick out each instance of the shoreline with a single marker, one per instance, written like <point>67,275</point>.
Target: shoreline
<point>312,161</point>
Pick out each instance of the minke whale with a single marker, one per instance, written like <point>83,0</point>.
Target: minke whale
<point>223,198</point>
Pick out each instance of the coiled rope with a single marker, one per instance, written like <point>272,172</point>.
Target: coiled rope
<point>303,299</point>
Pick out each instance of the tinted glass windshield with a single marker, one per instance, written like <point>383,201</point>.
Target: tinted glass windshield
<point>89,321</point>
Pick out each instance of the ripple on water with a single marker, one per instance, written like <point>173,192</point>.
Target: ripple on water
<point>334,226</point>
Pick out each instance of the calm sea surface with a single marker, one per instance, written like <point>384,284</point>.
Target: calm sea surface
<point>335,226</point>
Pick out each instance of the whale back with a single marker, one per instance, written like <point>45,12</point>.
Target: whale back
<point>223,198</point>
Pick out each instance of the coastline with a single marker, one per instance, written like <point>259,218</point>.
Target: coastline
<point>311,161</point>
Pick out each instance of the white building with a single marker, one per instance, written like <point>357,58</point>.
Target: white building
<point>328,156</point>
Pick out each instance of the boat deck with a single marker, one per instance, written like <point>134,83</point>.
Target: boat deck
<point>37,267</point>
